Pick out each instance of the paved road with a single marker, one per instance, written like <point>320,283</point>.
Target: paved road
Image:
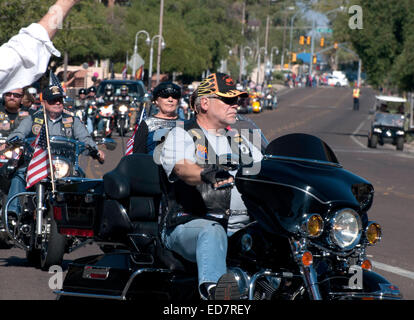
<point>326,113</point>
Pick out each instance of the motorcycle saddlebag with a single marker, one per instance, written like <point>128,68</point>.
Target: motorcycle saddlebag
<point>76,207</point>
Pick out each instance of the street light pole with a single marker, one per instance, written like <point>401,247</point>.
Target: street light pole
<point>258,63</point>
<point>136,48</point>
<point>160,39</point>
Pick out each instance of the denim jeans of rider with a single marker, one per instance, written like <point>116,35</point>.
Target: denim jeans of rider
<point>18,184</point>
<point>201,241</point>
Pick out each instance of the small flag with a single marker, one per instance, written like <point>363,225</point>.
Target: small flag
<point>130,142</point>
<point>54,81</point>
<point>124,72</point>
<point>138,73</point>
<point>38,168</point>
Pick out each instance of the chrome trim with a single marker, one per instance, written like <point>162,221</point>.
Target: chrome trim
<point>254,278</point>
<point>313,161</point>
<point>286,185</point>
<point>103,296</point>
<point>370,295</point>
<point>6,222</point>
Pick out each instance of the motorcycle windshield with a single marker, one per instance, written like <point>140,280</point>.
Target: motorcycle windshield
<point>301,176</point>
<point>300,145</point>
<point>389,120</point>
<point>244,123</point>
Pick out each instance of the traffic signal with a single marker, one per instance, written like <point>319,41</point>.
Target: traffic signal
<point>308,40</point>
<point>293,57</point>
<point>336,45</point>
<point>302,40</point>
<point>322,42</point>
<point>314,60</point>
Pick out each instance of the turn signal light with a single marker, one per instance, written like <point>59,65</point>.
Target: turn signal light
<point>313,225</point>
<point>373,233</point>
<point>366,264</point>
<point>307,259</point>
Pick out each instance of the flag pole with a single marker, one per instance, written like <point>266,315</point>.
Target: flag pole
<point>52,175</point>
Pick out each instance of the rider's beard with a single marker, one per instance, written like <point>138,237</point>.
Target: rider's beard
<point>12,105</point>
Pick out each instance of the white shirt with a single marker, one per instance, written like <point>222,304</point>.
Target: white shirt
<point>24,58</point>
<point>179,145</point>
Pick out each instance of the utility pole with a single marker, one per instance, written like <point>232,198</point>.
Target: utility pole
<point>284,40</point>
<point>159,41</point>
<point>312,47</point>
<point>241,46</point>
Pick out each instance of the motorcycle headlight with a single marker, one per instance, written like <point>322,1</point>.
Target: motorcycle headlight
<point>61,168</point>
<point>123,108</point>
<point>9,153</point>
<point>346,228</point>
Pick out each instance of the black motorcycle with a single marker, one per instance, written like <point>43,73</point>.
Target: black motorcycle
<point>34,230</point>
<point>122,118</point>
<point>307,238</point>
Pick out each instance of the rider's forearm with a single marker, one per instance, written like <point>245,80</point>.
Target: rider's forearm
<point>53,19</point>
<point>189,172</point>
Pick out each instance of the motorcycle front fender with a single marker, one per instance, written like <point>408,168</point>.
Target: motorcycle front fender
<point>373,286</point>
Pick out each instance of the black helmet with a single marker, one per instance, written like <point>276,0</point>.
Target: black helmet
<point>92,89</point>
<point>165,90</point>
<point>109,89</point>
<point>82,91</point>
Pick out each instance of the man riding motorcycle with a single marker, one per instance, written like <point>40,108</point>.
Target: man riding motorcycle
<point>200,198</point>
<point>60,124</point>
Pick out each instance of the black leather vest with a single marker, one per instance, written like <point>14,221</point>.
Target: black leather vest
<point>186,202</point>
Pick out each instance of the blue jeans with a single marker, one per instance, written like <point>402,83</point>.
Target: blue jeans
<point>89,125</point>
<point>202,241</point>
<point>18,184</point>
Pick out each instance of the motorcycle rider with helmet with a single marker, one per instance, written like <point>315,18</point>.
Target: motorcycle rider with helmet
<point>155,128</point>
<point>199,194</point>
<point>123,97</point>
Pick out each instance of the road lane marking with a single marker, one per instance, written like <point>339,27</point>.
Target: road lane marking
<point>355,132</point>
<point>392,269</point>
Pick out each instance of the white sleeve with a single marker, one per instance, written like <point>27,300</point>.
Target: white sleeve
<point>24,58</point>
<point>178,146</point>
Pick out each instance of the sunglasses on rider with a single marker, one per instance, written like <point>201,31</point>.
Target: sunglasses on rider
<point>170,92</point>
<point>14,94</point>
<point>229,101</point>
<point>55,101</point>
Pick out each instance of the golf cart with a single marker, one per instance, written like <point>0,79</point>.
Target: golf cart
<point>389,124</point>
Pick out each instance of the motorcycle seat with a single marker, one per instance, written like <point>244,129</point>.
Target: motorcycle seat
<point>135,175</point>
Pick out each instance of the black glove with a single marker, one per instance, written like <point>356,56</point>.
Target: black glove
<point>213,174</point>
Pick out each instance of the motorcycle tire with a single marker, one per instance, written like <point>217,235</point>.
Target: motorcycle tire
<point>52,250</point>
<point>5,241</point>
<point>374,141</point>
<point>400,143</point>
<point>122,131</point>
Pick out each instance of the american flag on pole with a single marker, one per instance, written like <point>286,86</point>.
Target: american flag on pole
<point>130,142</point>
<point>38,168</point>
<point>54,81</point>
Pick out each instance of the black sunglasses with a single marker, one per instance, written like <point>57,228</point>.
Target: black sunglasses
<point>14,94</point>
<point>170,92</point>
<point>55,101</point>
<point>229,101</point>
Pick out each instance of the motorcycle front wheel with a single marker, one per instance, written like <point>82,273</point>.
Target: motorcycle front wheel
<point>52,247</point>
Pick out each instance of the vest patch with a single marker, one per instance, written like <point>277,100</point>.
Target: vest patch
<point>36,129</point>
